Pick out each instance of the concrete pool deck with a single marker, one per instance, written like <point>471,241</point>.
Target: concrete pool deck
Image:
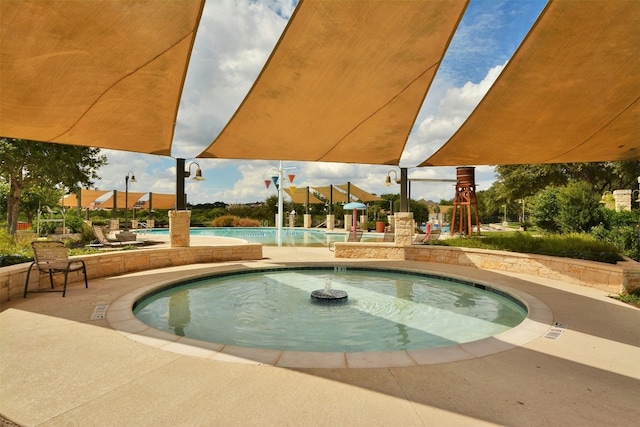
<point>61,363</point>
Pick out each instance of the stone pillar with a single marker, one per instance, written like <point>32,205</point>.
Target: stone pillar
<point>151,223</point>
<point>134,224</point>
<point>348,222</point>
<point>403,228</point>
<point>307,221</point>
<point>179,223</point>
<point>114,224</point>
<point>363,219</point>
<point>622,199</point>
<point>331,220</point>
<point>292,220</point>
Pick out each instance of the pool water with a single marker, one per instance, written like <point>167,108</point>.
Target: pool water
<point>268,236</point>
<point>385,311</point>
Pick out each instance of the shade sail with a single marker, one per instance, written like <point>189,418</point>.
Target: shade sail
<point>131,202</point>
<point>344,83</point>
<point>332,193</point>
<point>300,196</point>
<point>570,93</point>
<point>359,193</point>
<point>159,201</point>
<point>99,73</point>
<point>86,198</point>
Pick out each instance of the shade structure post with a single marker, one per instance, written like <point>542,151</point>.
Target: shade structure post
<point>280,202</point>
<point>180,199</point>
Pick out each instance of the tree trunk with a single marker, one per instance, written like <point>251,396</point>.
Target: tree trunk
<point>13,205</point>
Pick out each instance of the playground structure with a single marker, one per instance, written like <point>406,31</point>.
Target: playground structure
<point>465,202</point>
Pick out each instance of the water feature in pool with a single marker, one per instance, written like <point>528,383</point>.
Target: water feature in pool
<point>268,235</point>
<point>386,310</point>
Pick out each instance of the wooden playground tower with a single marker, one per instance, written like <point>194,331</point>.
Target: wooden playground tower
<point>464,202</point>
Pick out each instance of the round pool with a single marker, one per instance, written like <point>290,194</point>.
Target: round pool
<point>385,310</point>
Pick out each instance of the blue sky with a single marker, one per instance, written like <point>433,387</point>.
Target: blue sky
<point>234,40</point>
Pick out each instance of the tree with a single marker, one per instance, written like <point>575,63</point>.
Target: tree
<point>571,208</point>
<point>25,164</point>
<point>546,210</point>
<point>520,181</point>
<point>579,207</point>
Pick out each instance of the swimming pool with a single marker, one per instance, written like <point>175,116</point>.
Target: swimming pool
<point>386,310</point>
<point>268,235</point>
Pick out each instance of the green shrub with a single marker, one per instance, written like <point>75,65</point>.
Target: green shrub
<point>545,211</point>
<point>620,229</point>
<point>234,221</point>
<point>579,246</point>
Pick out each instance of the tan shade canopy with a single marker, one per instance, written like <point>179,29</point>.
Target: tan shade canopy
<point>160,201</point>
<point>332,194</point>
<point>132,199</point>
<point>300,196</point>
<point>97,73</point>
<point>344,83</point>
<point>86,198</point>
<point>358,193</point>
<point>569,94</point>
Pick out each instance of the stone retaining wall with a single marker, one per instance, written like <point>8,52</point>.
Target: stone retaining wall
<point>12,278</point>
<point>624,276</point>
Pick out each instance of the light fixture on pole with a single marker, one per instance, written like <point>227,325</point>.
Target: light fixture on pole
<point>181,174</point>
<point>198,176</point>
<point>388,180</point>
<point>126,197</point>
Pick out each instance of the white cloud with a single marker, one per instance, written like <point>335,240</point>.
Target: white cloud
<point>454,107</point>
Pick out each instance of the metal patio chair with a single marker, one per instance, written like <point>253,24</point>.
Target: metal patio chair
<point>52,257</point>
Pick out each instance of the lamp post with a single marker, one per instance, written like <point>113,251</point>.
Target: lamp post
<point>126,197</point>
<point>181,174</point>
<point>403,181</point>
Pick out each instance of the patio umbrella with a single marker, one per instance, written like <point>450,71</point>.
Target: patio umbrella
<point>355,206</point>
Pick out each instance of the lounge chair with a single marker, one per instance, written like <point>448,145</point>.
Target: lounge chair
<point>52,257</point>
<point>354,237</point>
<point>432,236</point>
<point>102,241</point>
<point>351,237</point>
<point>419,239</point>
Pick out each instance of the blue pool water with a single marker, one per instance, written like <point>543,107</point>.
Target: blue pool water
<point>268,235</point>
<point>385,310</point>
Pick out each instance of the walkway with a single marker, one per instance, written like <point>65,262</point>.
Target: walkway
<point>60,367</point>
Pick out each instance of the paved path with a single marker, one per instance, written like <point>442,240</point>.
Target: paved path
<point>58,367</point>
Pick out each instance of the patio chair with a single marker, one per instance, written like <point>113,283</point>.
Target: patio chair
<point>52,257</point>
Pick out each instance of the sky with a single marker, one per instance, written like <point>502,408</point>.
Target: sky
<point>233,42</point>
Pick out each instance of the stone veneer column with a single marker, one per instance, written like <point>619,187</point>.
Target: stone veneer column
<point>331,220</point>
<point>404,228</point>
<point>307,221</point>
<point>348,222</point>
<point>179,228</point>
<point>622,199</point>
<point>114,225</point>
